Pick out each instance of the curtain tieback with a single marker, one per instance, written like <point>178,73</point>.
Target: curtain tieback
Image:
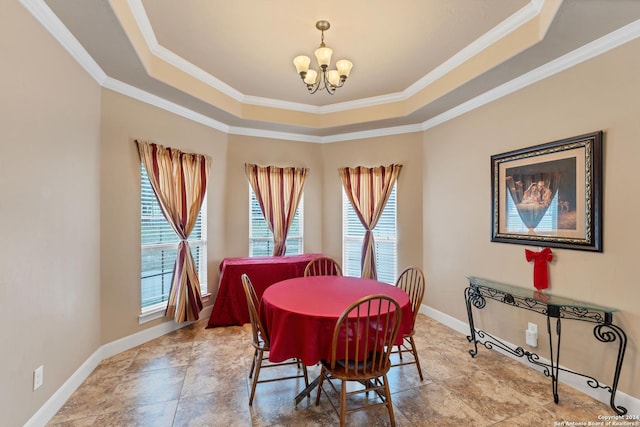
<point>540,269</point>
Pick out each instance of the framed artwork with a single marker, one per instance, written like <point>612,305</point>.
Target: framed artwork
<point>549,194</point>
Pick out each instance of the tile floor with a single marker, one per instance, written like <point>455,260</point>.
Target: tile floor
<point>198,377</point>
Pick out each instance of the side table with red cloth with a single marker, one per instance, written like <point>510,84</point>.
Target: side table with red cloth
<point>230,306</point>
<point>300,314</point>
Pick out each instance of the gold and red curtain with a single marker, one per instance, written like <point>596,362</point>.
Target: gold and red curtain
<point>179,181</point>
<point>278,191</point>
<point>368,190</point>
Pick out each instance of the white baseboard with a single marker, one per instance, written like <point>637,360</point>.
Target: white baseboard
<point>55,402</point>
<point>632,404</point>
<point>59,398</point>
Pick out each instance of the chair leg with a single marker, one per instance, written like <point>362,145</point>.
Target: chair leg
<point>255,379</point>
<point>304,372</point>
<point>387,392</point>
<point>343,403</point>
<point>320,385</point>
<point>400,351</point>
<point>253,362</point>
<point>415,355</point>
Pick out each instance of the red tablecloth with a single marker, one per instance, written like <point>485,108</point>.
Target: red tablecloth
<point>300,314</point>
<point>230,306</point>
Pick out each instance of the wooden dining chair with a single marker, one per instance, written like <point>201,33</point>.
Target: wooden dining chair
<point>260,342</point>
<point>323,266</point>
<point>411,280</point>
<point>361,337</point>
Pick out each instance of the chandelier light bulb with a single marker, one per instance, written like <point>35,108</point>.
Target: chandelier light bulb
<point>333,77</point>
<point>344,67</point>
<point>323,55</point>
<point>302,63</point>
<point>311,76</point>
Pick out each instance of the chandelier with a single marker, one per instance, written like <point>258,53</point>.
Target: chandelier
<point>323,78</point>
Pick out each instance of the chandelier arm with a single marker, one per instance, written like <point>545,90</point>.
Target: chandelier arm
<point>313,88</point>
<point>331,89</point>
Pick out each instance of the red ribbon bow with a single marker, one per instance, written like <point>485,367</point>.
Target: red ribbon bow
<point>540,270</point>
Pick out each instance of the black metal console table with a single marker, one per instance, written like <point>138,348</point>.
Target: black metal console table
<point>551,306</point>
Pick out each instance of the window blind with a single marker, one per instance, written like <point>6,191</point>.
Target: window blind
<point>261,238</point>
<point>385,236</point>
<point>159,247</point>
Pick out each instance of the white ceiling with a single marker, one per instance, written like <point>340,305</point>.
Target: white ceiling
<point>244,49</point>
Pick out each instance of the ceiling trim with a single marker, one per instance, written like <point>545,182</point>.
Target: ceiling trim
<point>597,47</point>
<point>142,20</point>
<point>43,14</point>
<point>506,27</point>
<point>172,107</point>
<point>515,34</point>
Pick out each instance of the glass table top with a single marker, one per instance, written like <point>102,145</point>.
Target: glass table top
<point>534,294</point>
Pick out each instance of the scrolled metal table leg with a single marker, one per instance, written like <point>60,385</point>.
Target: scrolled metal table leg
<point>472,294</point>
<point>608,332</point>
<point>555,360</point>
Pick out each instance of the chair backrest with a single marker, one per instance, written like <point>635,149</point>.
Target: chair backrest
<point>323,266</point>
<point>411,280</point>
<point>259,333</point>
<point>363,334</point>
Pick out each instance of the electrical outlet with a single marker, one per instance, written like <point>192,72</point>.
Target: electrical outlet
<point>531,335</point>
<point>38,377</point>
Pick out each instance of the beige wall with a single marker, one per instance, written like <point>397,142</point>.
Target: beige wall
<point>603,93</point>
<point>403,149</point>
<point>123,121</point>
<point>69,265</point>
<point>50,214</point>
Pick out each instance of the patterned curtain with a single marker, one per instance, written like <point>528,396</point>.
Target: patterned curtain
<point>368,190</point>
<point>278,191</point>
<point>179,181</point>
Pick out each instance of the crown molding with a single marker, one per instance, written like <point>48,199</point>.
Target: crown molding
<point>519,18</point>
<point>597,47</point>
<point>43,14</point>
<point>141,18</point>
<point>50,21</point>
<point>172,107</point>
<point>287,136</point>
<point>374,133</point>
<point>506,27</point>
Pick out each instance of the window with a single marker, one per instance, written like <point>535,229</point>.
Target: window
<point>261,238</point>
<point>385,236</point>
<point>159,247</point>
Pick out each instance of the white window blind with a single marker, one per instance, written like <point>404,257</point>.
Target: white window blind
<point>261,238</point>
<point>159,245</point>
<point>385,236</point>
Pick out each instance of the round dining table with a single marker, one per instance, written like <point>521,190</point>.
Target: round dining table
<point>300,314</point>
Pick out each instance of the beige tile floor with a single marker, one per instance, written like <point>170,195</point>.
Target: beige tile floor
<point>198,377</point>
